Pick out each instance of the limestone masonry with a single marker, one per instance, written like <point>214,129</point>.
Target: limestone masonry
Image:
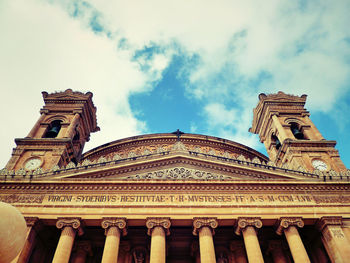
<point>177,197</point>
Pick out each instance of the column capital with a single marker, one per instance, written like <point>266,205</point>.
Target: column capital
<point>285,222</point>
<point>119,222</point>
<point>243,222</point>
<point>73,222</point>
<point>199,222</point>
<point>329,221</point>
<point>152,222</point>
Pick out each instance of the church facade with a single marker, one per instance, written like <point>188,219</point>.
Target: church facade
<point>177,197</point>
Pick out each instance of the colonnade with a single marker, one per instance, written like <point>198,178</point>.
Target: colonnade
<point>334,238</point>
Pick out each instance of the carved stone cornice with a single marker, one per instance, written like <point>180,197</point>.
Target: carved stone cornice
<point>285,222</point>
<point>199,222</point>
<point>243,222</point>
<point>158,221</point>
<point>329,221</point>
<point>42,188</point>
<point>119,222</point>
<point>73,222</point>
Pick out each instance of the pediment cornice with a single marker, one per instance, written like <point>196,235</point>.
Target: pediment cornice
<point>164,166</point>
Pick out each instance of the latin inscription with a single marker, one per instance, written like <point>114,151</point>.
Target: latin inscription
<point>127,199</point>
<point>174,199</point>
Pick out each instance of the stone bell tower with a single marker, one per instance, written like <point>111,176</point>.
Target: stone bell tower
<point>59,135</point>
<point>289,135</point>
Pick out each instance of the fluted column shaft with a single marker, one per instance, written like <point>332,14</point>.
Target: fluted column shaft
<point>158,229</point>
<point>206,245</point>
<point>158,245</point>
<point>65,245</point>
<point>111,249</point>
<point>114,227</point>
<point>252,245</point>
<point>288,226</point>
<point>296,245</point>
<point>204,228</point>
<point>69,228</point>
<point>247,226</point>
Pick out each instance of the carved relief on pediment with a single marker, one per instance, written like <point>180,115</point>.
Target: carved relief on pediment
<point>182,173</point>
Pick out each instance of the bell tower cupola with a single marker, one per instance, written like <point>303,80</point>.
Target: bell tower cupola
<point>290,137</point>
<point>59,135</point>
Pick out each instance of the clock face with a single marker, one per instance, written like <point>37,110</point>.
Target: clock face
<point>319,165</point>
<point>32,164</point>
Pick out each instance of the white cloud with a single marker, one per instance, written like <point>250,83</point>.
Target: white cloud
<point>42,48</point>
<point>302,46</point>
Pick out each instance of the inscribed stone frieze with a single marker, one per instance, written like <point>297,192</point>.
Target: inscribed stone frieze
<point>185,199</point>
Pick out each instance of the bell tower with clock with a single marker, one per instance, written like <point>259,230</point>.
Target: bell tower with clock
<point>59,135</point>
<point>290,137</point>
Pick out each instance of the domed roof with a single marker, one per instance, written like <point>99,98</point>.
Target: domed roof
<point>165,142</point>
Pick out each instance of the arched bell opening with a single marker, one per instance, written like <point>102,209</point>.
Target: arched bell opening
<point>53,129</point>
<point>276,141</point>
<point>295,128</point>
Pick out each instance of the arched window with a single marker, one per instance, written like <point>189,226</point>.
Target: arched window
<point>296,131</point>
<point>53,129</point>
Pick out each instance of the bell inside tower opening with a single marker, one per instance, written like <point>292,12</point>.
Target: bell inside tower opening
<point>296,131</point>
<point>53,129</point>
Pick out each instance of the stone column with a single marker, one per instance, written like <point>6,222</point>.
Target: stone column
<point>69,228</point>
<point>247,226</point>
<point>158,229</point>
<point>288,226</point>
<point>334,239</point>
<point>237,248</point>
<point>204,227</point>
<point>275,248</point>
<point>113,228</point>
<point>82,249</point>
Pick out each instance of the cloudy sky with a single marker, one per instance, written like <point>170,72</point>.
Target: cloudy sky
<point>159,65</point>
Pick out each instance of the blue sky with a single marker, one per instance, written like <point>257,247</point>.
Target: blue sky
<point>157,66</point>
